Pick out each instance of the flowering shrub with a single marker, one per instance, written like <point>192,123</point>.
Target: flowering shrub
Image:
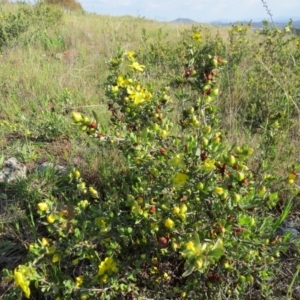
<point>185,219</point>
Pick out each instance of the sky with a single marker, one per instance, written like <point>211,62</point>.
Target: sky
<point>198,10</point>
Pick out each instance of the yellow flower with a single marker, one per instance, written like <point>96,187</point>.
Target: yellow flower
<point>136,66</point>
<point>93,192</point>
<point>169,223</point>
<point>122,82</point>
<point>136,209</point>
<point>104,278</point>
<point>56,257</point>
<point>190,246</point>
<point>32,247</point>
<point>76,173</point>
<point>42,206</point>
<point>180,178</point>
<point>51,219</point>
<point>163,133</point>
<point>130,55</point>
<point>101,223</point>
<point>82,187</point>
<point>83,203</point>
<point>52,249</point>
<point>176,210</point>
<point>21,280</point>
<point>176,160</point>
<point>209,165</point>
<point>197,36</point>
<point>114,88</point>
<point>219,190</point>
<point>84,296</point>
<point>183,209</point>
<point>107,265</point>
<point>199,263</point>
<point>136,96</point>
<point>102,268</point>
<point>45,242</point>
<point>79,281</point>
<point>166,276</point>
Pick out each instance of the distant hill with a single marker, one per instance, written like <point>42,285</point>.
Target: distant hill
<point>183,20</point>
<point>279,24</point>
<point>296,24</point>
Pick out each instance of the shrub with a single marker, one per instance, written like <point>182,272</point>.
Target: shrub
<point>184,218</point>
<point>14,25</point>
<point>66,4</point>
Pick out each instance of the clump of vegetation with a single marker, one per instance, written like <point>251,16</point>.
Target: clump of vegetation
<point>165,201</point>
<point>66,4</point>
<point>13,25</point>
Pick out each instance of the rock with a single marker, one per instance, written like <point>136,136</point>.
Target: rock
<point>69,56</point>
<point>47,165</point>
<point>288,226</point>
<point>281,231</point>
<point>12,170</point>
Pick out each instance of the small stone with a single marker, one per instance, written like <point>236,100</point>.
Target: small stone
<point>48,165</point>
<point>12,170</point>
<point>282,231</point>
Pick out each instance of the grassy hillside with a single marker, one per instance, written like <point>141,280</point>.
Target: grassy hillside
<point>88,234</point>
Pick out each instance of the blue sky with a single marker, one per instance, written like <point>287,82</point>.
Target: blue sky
<point>197,10</point>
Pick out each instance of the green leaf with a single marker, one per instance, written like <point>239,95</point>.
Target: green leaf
<point>198,152</point>
<point>179,79</point>
<point>287,208</point>
<point>186,253</point>
<point>192,61</point>
<point>95,116</point>
<point>1,160</point>
<point>189,271</point>
<point>77,232</point>
<point>244,220</point>
<point>196,239</point>
<point>273,196</point>
<point>131,277</point>
<point>218,252</point>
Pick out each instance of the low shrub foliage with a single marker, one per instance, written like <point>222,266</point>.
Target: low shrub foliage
<point>13,25</point>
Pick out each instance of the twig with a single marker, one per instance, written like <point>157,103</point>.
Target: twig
<point>86,106</point>
<point>94,290</point>
<point>289,293</point>
<point>276,81</point>
<point>268,11</point>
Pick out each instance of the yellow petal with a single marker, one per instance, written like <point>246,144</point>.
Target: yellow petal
<point>51,219</point>
<point>45,242</point>
<point>42,206</point>
<point>180,178</point>
<point>22,282</point>
<point>169,223</point>
<point>56,257</point>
